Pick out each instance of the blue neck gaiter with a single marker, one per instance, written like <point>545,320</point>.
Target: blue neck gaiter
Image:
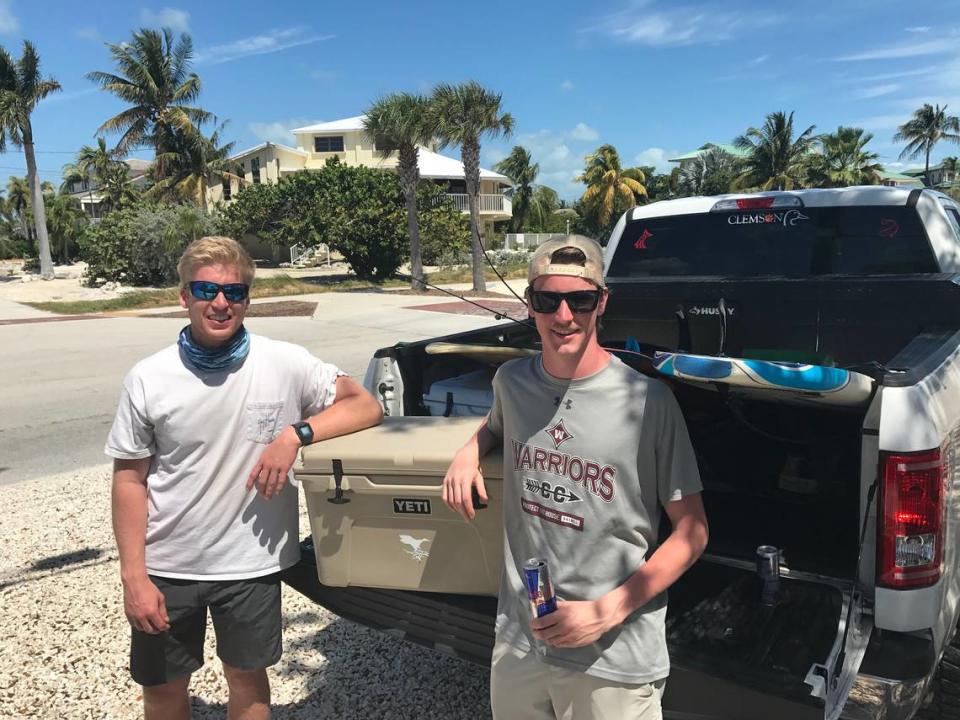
<point>230,353</point>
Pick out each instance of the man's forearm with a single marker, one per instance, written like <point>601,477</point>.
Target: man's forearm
<point>348,415</point>
<point>667,564</point>
<point>129,508</point>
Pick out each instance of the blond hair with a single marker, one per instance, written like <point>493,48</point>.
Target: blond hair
<point>215,250</point>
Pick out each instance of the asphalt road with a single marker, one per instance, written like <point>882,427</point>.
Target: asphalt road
<point>59,381</point>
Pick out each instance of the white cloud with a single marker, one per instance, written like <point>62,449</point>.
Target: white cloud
<point>919,29</point>
<point>173,18</point>
<point>759,60</point>
<point>566,85</point>
<point>877,123</point>
<point>70,96</point>
<point>916,72</point>
<point>8,21</point>
<point>876,91</point>
<point>583,133</point>
<point>270,42</point>
<point>87,32</point>
<point>278,131</point>
<point>657,158</point>
<point>680,25</point>
<point>904,50</point>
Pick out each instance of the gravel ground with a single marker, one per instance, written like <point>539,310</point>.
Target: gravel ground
<point>64,639</point>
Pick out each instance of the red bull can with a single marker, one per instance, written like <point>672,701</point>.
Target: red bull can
<point>536,574</point>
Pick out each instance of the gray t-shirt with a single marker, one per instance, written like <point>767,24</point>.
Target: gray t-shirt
<point>588,463</point>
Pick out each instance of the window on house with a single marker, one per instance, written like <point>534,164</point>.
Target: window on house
<point>226,189</point>
<point>255,170</point>
<point>330,143</point>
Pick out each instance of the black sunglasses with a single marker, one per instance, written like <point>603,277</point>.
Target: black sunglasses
<point>579,301</point>
<point>205,290</point>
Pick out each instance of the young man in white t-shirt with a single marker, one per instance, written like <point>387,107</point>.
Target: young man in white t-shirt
<point>204,516</point>
<point>593,451</point>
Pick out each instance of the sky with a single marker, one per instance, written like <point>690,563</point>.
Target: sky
<point>653,78</point>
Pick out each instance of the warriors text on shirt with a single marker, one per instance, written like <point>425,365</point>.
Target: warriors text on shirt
<point>594,477</point>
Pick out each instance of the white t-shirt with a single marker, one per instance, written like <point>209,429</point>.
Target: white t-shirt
<point>205,431</point>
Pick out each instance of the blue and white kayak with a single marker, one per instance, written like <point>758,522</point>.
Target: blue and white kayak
<point>791,381</point>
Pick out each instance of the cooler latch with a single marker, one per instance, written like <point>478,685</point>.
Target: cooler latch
<point>338,498</point>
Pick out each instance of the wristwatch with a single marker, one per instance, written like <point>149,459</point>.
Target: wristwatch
<point>304,432</point>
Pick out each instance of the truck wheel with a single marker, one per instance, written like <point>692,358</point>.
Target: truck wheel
<point>944,690</point>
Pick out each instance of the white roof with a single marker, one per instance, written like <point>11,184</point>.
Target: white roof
<point>261,146</point>
<point>351,123</point>
<point>435,165</point>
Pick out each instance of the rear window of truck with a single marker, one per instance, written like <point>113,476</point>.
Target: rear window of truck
<point>795,242</point>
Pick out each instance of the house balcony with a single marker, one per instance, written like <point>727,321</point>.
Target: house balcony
<point>493,204</point>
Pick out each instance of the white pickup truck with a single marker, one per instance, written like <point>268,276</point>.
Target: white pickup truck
<point>862,499</point>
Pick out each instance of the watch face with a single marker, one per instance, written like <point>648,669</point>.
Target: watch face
<point>304,432</point>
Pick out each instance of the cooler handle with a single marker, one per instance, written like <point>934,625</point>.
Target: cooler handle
<point>338,498</point>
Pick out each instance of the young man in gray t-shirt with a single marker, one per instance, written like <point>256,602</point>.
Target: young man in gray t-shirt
<point>592,451</point>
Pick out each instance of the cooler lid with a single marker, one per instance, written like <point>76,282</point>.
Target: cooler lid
<point>405,445</point>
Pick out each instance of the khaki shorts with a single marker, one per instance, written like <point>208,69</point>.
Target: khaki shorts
<point>522,687</point>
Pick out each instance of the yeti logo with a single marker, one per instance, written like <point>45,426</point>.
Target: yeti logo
<point>559,434</point>
<point>416,550</point>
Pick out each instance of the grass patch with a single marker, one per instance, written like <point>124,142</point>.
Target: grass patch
<point>465,274</point>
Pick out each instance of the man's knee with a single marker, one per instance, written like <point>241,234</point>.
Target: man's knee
<point>247,682</point>
<point>169,700</point>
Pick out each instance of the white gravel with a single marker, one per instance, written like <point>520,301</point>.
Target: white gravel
<point>64,639</point>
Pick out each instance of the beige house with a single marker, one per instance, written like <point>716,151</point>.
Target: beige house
<point>346,140</point>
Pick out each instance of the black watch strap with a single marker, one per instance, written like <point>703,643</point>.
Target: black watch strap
<point>304,432</point>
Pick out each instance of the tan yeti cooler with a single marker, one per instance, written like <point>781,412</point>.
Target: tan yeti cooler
<point>391,528</point>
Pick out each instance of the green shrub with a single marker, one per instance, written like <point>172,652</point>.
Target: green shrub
<point>141,245</point>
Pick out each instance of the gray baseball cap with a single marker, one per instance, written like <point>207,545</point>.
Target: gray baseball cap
<point>593,269</point>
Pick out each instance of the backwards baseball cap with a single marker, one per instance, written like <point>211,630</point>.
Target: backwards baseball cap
<point>592,270</point>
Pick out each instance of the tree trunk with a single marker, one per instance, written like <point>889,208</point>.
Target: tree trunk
<point>39,211</point>
<point>409,173</point>
<point>471,167</point>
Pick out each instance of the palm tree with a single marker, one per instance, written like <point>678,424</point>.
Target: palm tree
<point>843,161</point>
<point>522,173</point>
<point>66,222</point>
<point>399,123</point>
<point>950,166</point>
<point>543,204</point>
<point>93,165</point>
<point>776,160</point>
<point>119,192</point>
<point>608,182</point>
<point>18,200</point>
<point>153,76</point>
<point>192,166</point>
<point>928,126</point>
<point>710,173</point>
<point>459,115</point>
<point>21,88</point>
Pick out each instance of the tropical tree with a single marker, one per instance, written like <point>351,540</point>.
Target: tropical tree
<point>950,166</point>
<point>21,88</point>
<point>191,166</point>
<point>66,222</point>
<point>117,189</point>
<point>399,123</point>
<point>92,164</point>
<point>518,166</point>
<point>928,126</point>
<point>776,160</point>
<point>843,160</point>
<point>153,76</point>
<point>459,115</point>
<point>543,204</point>
<point>610,187</point>
<point>18,200</point>
<point>710,173</point>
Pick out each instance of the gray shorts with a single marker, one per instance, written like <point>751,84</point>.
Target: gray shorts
<point>246,620</point>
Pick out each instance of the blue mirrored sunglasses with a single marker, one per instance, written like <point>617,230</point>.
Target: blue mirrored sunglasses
<point>233,292</point>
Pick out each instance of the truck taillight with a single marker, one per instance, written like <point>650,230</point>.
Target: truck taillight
<point>911,512</point>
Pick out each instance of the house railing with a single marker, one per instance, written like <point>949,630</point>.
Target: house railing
<point>489,203</point>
